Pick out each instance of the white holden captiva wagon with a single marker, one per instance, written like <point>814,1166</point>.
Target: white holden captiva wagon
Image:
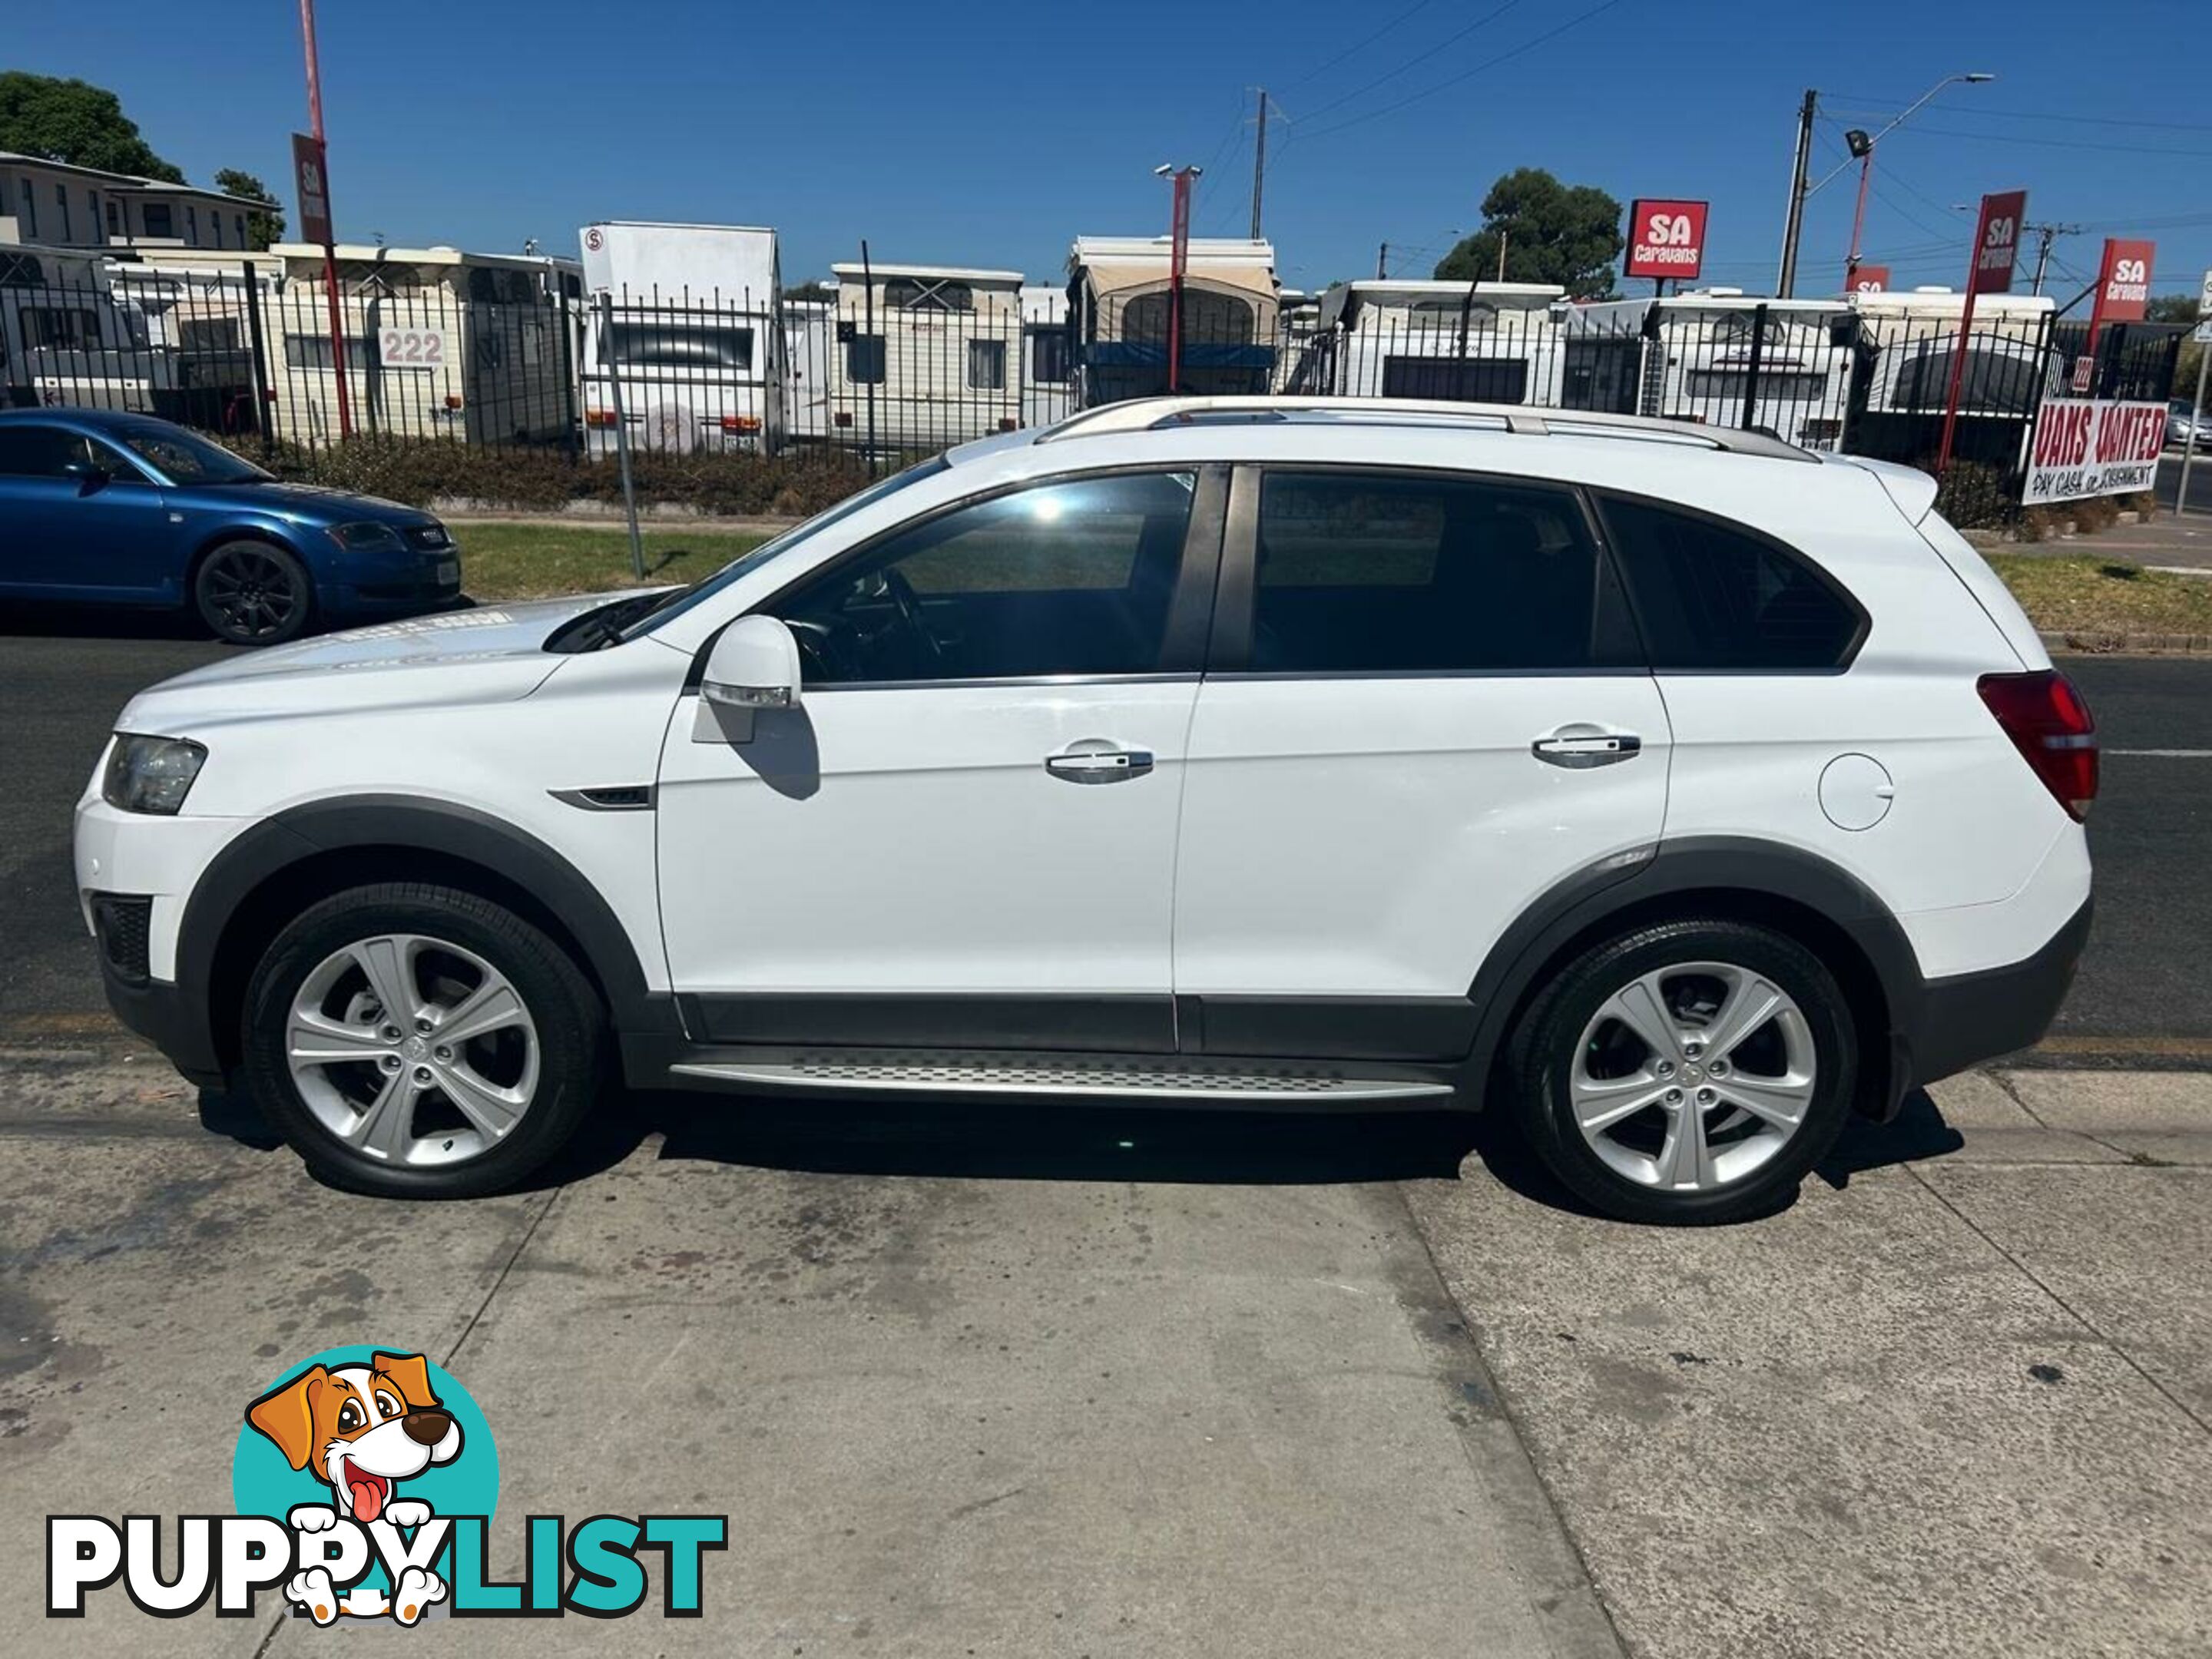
<point>1678,792</point>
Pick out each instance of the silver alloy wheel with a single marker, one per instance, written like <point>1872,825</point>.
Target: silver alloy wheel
<point>412,1050</point>
<point>1693,1076</point>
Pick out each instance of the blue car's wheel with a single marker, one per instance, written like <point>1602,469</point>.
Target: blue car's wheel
<point>252,593</point>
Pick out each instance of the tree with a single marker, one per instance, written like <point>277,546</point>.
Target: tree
<point>1551,232</point>
<point>76,122</point>
<point>261,228</point>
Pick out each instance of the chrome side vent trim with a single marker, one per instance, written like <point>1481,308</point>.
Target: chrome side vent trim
<point>610,797</point>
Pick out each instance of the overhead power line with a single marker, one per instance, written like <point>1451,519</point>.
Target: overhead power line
<point>1414,62</point>
<point>1354,50</point>
<point>1981,110</point>
<point>1528,46</point>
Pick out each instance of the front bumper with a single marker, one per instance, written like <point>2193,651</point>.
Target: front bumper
<point>172,1018</point>
<point>1963,1019</point>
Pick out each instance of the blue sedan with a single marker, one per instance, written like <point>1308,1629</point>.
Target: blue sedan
<point>125,509</point>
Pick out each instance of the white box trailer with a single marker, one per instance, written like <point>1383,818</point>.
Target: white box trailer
<point>810,328</point>
<point>66,337</point>
<point>1689,358</point>
<point>1048,356</point>
<point>439,343</point>
<point>1488,343</point>
<point>1119,295</point>
<point>695,332</point>
<point>930,352</point>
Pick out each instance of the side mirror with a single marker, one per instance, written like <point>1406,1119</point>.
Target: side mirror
<point>89,476</point>
<point>754,665</point>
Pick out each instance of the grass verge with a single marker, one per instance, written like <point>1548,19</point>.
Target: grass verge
<point>530,561</point>
<point>2087,596</point>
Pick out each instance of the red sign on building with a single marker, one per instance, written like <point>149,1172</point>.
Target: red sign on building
<point>1871,279</point>
<point>1996,241</point>
<point>1666,239</point>
<point>314,190</point>
<point>2123,281</point>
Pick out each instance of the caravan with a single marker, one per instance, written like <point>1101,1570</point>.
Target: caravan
<point>1691,357</point>
<point>439,343</point>
<point>1048,356</point>
<point>1488,343</point>
<point>927,356</point>
<point>1119,295</point>
<point>66,337</point>
<point>689,325</point>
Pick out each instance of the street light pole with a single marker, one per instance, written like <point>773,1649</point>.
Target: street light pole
<point>1800,190</point>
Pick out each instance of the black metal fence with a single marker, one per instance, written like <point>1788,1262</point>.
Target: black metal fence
<point>888,366</point>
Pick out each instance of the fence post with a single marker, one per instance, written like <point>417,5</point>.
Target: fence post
<point>622,430</point>
<point>562,324</point>
<point>262,399</point>
<point>1751,370</point>
<point>883,360</point>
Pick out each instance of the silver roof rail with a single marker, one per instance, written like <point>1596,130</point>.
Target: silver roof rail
<point>1153,414</point>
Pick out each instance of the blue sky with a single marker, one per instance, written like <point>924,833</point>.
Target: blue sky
<point>991,134</point>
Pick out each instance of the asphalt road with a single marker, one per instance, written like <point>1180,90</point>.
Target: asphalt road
<point>2140,998</point>
<point>2200,480</point>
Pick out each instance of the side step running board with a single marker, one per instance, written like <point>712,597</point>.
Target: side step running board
<point>1056,1077</point>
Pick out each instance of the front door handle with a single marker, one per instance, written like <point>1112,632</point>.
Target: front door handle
<point>1095,760</point>
<point>1581,748</point>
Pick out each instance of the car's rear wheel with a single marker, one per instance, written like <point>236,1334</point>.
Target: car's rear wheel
<point>1689,1071</point>
<point>421,1041</point>
<point>253,592</point>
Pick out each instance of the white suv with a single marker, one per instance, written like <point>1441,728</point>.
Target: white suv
<point>1678,791</point>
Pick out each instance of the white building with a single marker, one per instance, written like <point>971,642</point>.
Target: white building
<point>57,204</point>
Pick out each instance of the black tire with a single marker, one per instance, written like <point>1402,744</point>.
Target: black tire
<point>565,1010</point>
<point>1549,1040</point>
<point>253,592</point>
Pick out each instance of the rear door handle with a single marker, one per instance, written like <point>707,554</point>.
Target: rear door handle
<point>1095,760</point>
<point>1583,750</point>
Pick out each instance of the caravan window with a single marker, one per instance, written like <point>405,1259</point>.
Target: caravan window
<point>1048,356</point>
<point>986,365</point>
<point>2000,380</point>
<point>209,334</point>
<point>1208,319</point>
<point>1773,387</point>
<point>20,270</point>
<point>1479,314</point>
<point>314,352</point>
<point>864,360</point>
<point>500,287</point>
<point>920,294</point>
<point>680,345</point>
<point>75,327</point>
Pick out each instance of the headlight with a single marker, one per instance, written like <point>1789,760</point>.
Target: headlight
<point>364,537</point>
<point>150,774</point>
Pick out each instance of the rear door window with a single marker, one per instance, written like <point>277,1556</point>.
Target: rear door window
<point>1714,596</point>
<point>1374,573</point>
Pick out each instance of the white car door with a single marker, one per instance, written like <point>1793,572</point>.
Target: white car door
<point>1426,706</point>
<point>964,836</point>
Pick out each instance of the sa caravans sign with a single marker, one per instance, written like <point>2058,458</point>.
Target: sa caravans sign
<point>1666,239</point>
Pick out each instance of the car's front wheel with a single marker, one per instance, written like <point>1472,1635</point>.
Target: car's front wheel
<point>421,1041</point>
<point>250,592</point>
<point>1688,1071</point>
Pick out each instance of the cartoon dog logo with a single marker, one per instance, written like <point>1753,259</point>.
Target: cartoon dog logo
<point>362,1430</point>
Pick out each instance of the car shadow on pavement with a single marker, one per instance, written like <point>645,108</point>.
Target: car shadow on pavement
<point>36,618</point>
<point>971,1142</point>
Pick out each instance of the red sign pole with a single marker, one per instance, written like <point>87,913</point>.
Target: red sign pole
<point>329,239</point>
<point>1996,244</point>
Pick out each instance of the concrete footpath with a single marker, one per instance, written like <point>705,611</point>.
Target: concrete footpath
<point>1155,1383</point>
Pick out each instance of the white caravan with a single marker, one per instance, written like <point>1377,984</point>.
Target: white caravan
<point>67,338</point>
<point>197,313</point>
<point>439,343</point>
<point>1491,343</point>
<point>1689,358</point>
<point>692,329</point>
<point>810,330</point>
<point>1048,355</point>
<point>2011,364</point>
<point>1119,288</point>
<point>927,356</point>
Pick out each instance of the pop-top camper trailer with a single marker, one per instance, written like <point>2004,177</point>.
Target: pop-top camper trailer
<point>1119,294</point>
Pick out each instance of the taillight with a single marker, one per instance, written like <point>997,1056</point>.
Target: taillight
<point>842,418</point>
<point>1007,423</point>
<point>2051,725</point>
<point>740,423</point>
<point>600,417</point>
<point>452,400</point>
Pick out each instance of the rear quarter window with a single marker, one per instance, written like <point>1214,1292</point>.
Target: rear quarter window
<point>1715,596</point>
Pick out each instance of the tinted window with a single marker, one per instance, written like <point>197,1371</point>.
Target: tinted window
<point>1375,573</point>
<point>1073,578</point>
<point>1048,356</point>
<point>40,451</point>
<point>1711,597</point>
<point>681,346</point>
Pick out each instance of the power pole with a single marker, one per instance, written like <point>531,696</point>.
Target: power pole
<point>1382,263</point>
<point>1787,280</point>
<point>1259,160</point>
<point>2045,236</point>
